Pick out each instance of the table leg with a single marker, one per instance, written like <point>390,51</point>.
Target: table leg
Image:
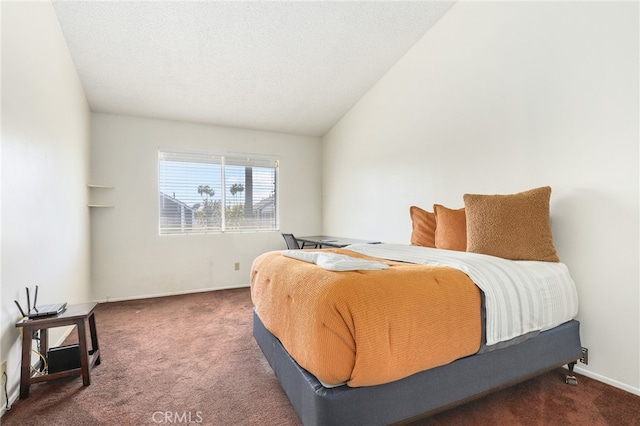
<point>95,346</point>
<point>84,353</point>
<point>25,367</point>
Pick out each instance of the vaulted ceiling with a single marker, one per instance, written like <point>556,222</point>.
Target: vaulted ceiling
<point>293,67</point>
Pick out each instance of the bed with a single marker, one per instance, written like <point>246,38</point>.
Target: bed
<point>377,395</point>
<point>386,333</point>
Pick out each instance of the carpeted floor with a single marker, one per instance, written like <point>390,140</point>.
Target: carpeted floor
<point>193,359</point>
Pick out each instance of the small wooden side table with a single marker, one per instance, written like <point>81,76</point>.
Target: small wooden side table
<point>74,315</point>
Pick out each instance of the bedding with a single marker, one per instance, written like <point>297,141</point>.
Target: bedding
<point>372,327</point>
<point>520,296</point>
<point>367,327</point>
<point>334,261</point>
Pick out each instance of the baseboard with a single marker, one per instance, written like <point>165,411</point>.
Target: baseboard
<point>171,293</point>
<point>608,381</point>
<point>12,399</point>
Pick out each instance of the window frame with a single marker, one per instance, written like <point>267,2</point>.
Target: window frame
<point>224,161</point>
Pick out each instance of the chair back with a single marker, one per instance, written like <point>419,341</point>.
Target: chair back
<point>292,242</point>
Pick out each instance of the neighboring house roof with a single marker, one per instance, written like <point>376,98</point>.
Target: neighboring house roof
<point>264,203</point>
<point>170,199</point>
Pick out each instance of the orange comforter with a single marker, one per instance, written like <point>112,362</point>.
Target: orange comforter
<point>367,327</point>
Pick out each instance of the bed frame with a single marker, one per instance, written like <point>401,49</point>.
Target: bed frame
<point>422,394</point>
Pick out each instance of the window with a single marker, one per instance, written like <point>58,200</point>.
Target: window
<point>202,192</point>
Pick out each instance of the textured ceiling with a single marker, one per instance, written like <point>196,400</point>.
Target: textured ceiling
<point>292,67</point>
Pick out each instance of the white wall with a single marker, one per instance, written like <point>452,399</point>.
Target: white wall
<point>500,98</point>
<point>129,257</point>
<point>45,158</point>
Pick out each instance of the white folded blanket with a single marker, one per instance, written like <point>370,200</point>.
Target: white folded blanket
<point>521,296</point>
<point>335,261</point>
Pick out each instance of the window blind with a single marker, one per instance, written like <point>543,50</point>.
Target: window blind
<point>204,192</point>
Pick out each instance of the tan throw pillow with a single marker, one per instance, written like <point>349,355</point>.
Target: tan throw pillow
<point>516,226</point>
<point>451,228</point>
<point>424,227</point>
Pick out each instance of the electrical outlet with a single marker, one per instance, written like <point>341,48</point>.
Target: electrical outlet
<point>584,358</point>
<point>3,368</point>
<point>236,266</point>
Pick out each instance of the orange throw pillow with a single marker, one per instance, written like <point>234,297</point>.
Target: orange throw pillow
<point>424,227</point>
<point>451,228</point>
<point>516,226</point>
